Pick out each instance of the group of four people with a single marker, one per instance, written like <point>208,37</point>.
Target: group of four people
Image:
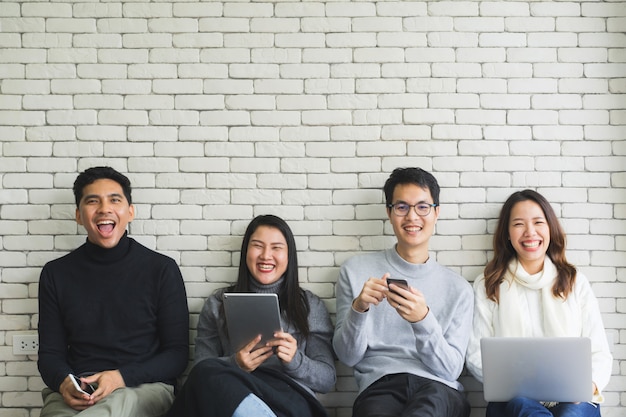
<point>114,314</point>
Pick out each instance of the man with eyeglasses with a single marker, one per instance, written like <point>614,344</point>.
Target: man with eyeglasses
<point>407,344</point>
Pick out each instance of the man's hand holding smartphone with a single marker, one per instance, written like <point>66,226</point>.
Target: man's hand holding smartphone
<point>411,307</point>
<point>81,386</point>
<point>402,283</point>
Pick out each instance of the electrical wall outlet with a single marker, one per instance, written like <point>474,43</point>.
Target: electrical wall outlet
<point>25,344</point>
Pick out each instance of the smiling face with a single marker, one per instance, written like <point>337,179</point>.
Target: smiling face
<point>412,231</point>
<point>267,254</point>
<point>529,234</point>
<point>104,212</point>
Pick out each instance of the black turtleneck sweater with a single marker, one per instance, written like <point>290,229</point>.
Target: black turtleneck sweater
<point>121,308</point>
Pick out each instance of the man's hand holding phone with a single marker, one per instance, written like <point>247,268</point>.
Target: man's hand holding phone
<point>408,302</point>
<point>76,393</point>
<point>81,386</point>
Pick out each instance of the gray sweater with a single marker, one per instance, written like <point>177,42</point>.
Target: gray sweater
<point>379,342</point>
<point>313,366</point>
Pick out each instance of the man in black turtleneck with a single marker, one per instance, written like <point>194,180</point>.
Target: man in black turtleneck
<point>112,312</point>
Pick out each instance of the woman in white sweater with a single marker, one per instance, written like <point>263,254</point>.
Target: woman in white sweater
<point>529,289</point>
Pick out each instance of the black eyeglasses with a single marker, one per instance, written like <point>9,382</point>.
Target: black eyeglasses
<point>402,209</point>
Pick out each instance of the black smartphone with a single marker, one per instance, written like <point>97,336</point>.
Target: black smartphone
<point>399,282</point>
<point>82,386</point>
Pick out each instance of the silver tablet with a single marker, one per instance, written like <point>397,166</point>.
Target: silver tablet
<point>249,315</point>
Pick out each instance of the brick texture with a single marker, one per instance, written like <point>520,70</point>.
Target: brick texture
<point>219,111</point>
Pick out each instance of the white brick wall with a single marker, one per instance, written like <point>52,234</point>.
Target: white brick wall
<point>221,110</point>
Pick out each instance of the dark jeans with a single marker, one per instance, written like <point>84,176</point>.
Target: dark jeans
<point>525,407</point>
<point>404,395</point>
<point>215,388</point>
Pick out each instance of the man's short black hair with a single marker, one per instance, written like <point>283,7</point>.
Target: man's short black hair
<point>90,175</point>
<point>411,175</point>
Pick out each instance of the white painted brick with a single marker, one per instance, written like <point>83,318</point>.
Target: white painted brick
<point>453,101</point>
<point>600,39</point>
<point>531,54</point>
<point>283,182</point>
<point>558,132</point>
<point>46,40</point>
<point>97,10</point>
<point>429,55</point>
<point>233,118</point>
<point>604,70</point>
<point>486,24</point>
<point>460,70</point>
<point>603,10</point>
<point>36,102</point>
<point>481,55</point>
<point>529,24</point>
<point>512,163</point>
<point>336,181</point>
<point>350,40</point>
<point>453,8</point>
<point>505,70</point>
<point>402,39</point>
<point>377,24</point>
<point>606,101</point>
<point>457,131</point>
<point>185,71</point>
<point>556,39</point>
<point>51,164</point>
<point>293,102</point>
<point>380,148</point>
<point>539,117</point>
<point>382,117</point>
<point>614,24</point>
<point>26,87</point>
<point>275,149</point>
<point>23,24</point>
<point>239,40</point>
<point>228,181</point>
<point>321,117</point>
<point>555,9</point>
<point>595,117</point>
<point>379,54</point>
<point>578,179</point>
<point>402,101</point>
<point>428,116</point>
<point>470,147</point>
<point>579,24</point>
<point>604,132</point>
<point>22,56</point>
<point>502,40</point>
<point>275,118</point>
<point>356,71</point>
<point>431,148</point>
<point>454,39</point>
<point>352,101</point>
<point>15,70</point>
<point>276,56</point>
<point>505,101</point>
<point>535,148</point>
<point>586,148</point>
<point>126,56</point>
<point>556,101</point>
<point>140,102</point>
<point>12,102</point>
<point>340,133</point>
<point>12,133</point>
<point>496,8</point>
<point>224,24</point>
<point>578,85</point>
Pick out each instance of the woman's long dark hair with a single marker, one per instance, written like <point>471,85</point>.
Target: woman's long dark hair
<point>503,251</point>
<point>293,302</point>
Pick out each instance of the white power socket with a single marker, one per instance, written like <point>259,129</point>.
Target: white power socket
<point>25,344</point>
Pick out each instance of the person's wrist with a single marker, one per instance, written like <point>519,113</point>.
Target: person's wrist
<point>357,307</point>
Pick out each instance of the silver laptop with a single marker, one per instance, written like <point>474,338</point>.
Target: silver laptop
<point>541,368</point>
<point>249,315</point>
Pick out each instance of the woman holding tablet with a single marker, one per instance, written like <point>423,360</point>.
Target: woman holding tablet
<point>280,377</point>
<point>529,289</point>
